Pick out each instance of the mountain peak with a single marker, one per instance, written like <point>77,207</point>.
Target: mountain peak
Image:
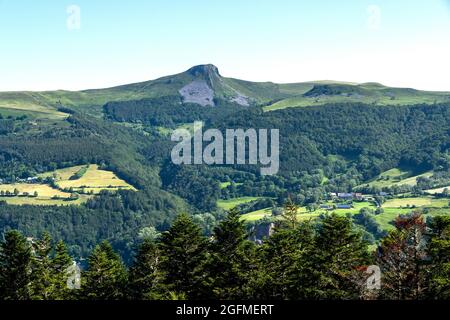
<point>204,70</point>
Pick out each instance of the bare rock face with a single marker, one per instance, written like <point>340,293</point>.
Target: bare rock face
<point>198,92</point>
<point>205,70</point>
<point>205,80</point>
<point>241,100</point>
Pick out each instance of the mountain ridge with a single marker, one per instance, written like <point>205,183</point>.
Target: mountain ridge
<point>202,84</point>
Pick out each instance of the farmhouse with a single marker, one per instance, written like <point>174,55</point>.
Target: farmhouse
<point>345,196</point>
<point>344,206</point>
<point>32,179</point>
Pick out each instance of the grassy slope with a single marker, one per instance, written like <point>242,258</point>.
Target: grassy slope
<point>437,190</point>
<point>391,209</point>
<point>363,93</point>
<point>396,177</point>
<point>45,104</point>
<point>231,203</point>
<point>94,179</point>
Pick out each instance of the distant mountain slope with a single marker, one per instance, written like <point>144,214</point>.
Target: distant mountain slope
<point>203,84</point>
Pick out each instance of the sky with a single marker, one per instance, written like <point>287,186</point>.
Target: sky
<point>81,44</point>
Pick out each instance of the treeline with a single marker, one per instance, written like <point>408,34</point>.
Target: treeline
<point>329,260</point>
<point>117,217</point>
<point>332,148</point>
<point>374,138</point>
<point>169,111</point>
<point>80,140</point>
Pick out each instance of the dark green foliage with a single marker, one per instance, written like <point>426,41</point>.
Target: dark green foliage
<point>59,268</point>
<point>439,250</point>
<point>285,266</point>
<point>117,218</point>
<point>106,276</point>
<point>145,273</point>
<point>183,253</point>
<point>167,111</point>
<point>15,267</point>
<point>324,261</point>
<point>231,259</point>
<point>42,276</point>
<point>192,184</point>
<point>365,218</point>
<point>339,252</point>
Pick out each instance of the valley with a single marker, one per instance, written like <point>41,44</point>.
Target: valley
<point>388,144</point>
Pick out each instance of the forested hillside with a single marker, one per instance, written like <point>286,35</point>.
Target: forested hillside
<point>337,147</point>
<point>326,260</point>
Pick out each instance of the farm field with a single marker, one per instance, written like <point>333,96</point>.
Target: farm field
<point>437,190</point>
<point>391,209</point>
<point>416,202</point>
<point>385,219</point>
<point>42,201</point>
<point>231,203</point>
<point>304,214</point>
<point>43,190</point>
<point>45,193</point>
<point>396,177</point>
<point>93,180</point>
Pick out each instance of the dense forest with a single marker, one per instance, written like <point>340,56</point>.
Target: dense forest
<point>344,144</point>
<point>328,259</point>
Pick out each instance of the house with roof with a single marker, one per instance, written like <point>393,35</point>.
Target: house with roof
<point>344,206</point>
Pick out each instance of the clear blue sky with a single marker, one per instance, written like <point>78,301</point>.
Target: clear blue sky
<point>398,43</point>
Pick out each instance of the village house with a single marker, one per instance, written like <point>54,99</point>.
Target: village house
<point>345,196</point>
<point>344,206</point>
<point>32,180</point>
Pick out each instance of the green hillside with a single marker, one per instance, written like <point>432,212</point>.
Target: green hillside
<point>44,105</point>
<point>397,177</point>
<point>368,93</point>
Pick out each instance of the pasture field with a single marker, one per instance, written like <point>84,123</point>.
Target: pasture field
<point>44,197</point>
<point>94,179</point>
<point>61,174</point>
<point>41,201</point>
<point>29,103</point>
<point>231,203</point>
<point>43,190</point>
<point>391,210</point>
<point>437,190</point>
<point>416,202</point>
<point>390,214</point>
<point>396,177</point>
<point>359,93</point>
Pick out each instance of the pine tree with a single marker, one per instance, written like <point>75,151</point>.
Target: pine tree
<point>106,276</point>
<point>439,251</point>
<point>339,252</point>
<point>290,212</point>
<point>40,264</point>
<point>145,276</point>
<point>285,268</point>
<point>183,252</point>
<point>59,267</point>
<point>231,258</point>
<point>402,257</point>
<point>15,267</point>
